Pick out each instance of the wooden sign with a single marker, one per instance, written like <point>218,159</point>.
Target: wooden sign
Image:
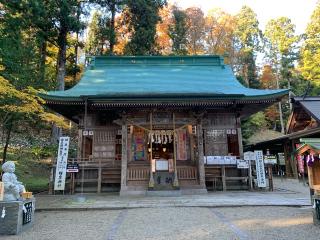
<point>1,191</point>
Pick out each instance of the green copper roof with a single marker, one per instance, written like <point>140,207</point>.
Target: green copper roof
<point>160,77</point>
<point>313,143</point>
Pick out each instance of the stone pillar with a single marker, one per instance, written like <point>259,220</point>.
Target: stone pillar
<point>124,157</point>
<point>200,155</point>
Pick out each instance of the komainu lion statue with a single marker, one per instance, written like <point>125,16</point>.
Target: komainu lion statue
<point>12,187</point>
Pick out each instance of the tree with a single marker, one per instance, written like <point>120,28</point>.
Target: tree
<point>247,37</point>
<point>268,81</point>
<point>112,7</point>
<point>310,52</point>
<point>123,31</point>
<point>28,29</point>
<point>98,35</point>
<point>178,31</point>
<point>20,105</point>
<point>163,41</point>
<point>281,40</point>
<point>219,34</point>
<point>144,16</point>
<point>195,33</point>
<point>66,15</point>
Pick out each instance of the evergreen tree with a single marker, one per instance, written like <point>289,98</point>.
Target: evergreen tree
<point>98,35</point>
<point>247,35</point>
<point>144,15</point>
<point>310,52</point>
<point>281,39</point>
<point>178,32</point>
<point>111,7</point>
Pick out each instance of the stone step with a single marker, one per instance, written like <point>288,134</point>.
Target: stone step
<point>164,193</point>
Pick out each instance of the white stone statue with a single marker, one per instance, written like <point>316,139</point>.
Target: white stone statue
<point>12,187</point>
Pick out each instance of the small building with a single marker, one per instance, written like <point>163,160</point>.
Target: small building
<point>148,123</point>
<point>303,122</point>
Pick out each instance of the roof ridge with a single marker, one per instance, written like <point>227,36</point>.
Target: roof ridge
<point>198,60</point>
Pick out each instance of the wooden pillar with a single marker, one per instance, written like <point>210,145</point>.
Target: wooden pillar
<point>240,138</point>
<point>294,160</point>
<point>223,173</point>
<point>175,181</point>
<point>151,179</point>
<point>289,172</point>
<point>99,177</point>
<point>270,177</point>
<point>79,152</point>
<point>201,169</point>
<point>124,157</point>
<point>239,131</point>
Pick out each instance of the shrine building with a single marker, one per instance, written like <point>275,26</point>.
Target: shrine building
<point>159,123</point>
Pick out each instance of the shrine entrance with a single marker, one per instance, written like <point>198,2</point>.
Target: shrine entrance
<point>162,158</point>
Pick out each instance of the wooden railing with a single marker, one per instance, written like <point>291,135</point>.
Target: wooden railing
<point>187,173</point>
<point>138,173</point>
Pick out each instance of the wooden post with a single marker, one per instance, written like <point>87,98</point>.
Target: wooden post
<point>175,180</point>
<point>240,138</point>
<point>202,180</point>
<point>151,180</point>
<point>270,177</point>
<point>223,173</point>
<point>124,159</point>
<point>294,161</point>
<point>99,177</point>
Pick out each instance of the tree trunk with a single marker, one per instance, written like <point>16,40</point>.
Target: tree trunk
<point>43,52</point>
<point>280,107</point>
<point>76,57</point>
<point>112,37</point>
<point>61,72</point>
<point>61,61</point>
<point>5,149</point>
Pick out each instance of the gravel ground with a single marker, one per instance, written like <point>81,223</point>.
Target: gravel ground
<point>274,222</point>
<point>175,223</point>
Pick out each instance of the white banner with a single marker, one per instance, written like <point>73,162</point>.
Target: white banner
<point>62,160</point>
<point>261,176</point>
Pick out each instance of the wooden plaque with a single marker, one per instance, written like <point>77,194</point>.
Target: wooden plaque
<point>1,191</point>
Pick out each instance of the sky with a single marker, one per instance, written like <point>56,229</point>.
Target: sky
<point>299,11</point>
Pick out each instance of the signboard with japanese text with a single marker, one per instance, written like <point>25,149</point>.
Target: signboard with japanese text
<point>281,159</point>
<point>162,165</point>
<point>261,176</point>
<point>249,156</point>
<point>242,164</point>
<point>220,160</point>
<point>72,167</point>
<point>270,159</point>
<point>60,178</point>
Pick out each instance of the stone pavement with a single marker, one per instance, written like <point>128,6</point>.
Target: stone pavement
<point>288,192</point>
